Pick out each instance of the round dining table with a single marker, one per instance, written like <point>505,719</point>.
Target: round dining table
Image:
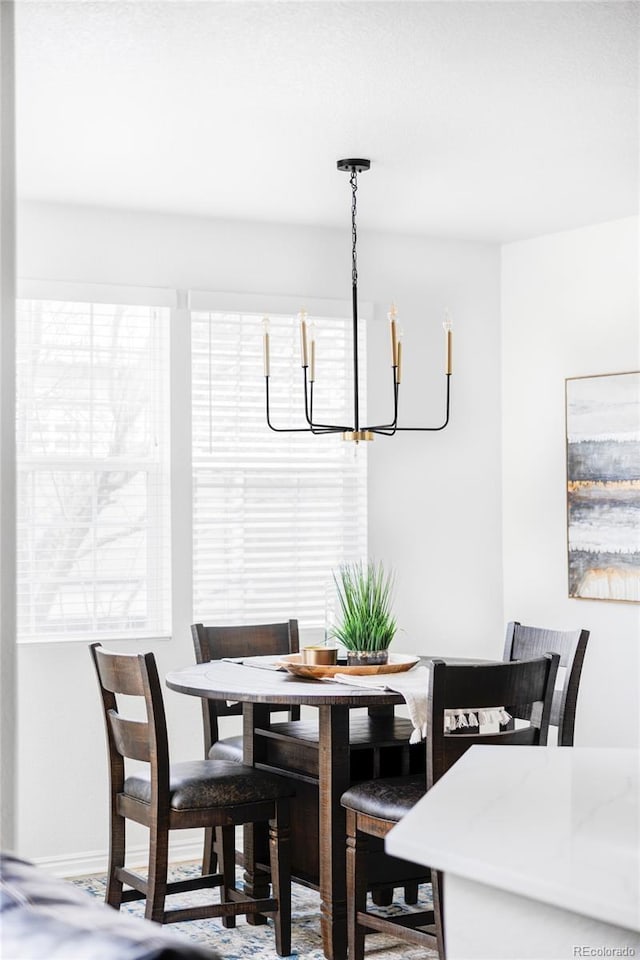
<point>330,769</point>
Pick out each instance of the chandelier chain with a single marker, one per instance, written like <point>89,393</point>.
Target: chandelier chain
<point>353,180</point>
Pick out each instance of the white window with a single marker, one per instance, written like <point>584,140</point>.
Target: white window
<point>93,479</point>
<point>273,513</point>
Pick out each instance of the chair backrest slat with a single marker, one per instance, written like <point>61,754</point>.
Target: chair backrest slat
<point>457,745</point>
<point>490,684</point>
<point>512,686</point>
<point>121,676</point>
<point>523,642</point>
<point>131,737</point>
<point>262,639</point>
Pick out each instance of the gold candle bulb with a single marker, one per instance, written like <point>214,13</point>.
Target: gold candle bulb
<point>303,337</point>
<point>448,331</point>
<point>393,317</point>
<point>312,369</point>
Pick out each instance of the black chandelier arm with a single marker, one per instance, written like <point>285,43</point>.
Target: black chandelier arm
<point>388,429</point>
<point>279,429</point>
<point>446,420</point>
<point>307,407</point>
<point>308,411</point>
<point>316,429</point>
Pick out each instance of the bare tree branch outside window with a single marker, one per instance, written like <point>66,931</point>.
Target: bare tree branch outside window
<point>93,483</point>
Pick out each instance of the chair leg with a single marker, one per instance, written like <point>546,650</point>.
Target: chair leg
<point>157,878</point>
<point>209,856</point>
<point>116,860</point>
<point>227,863</point>
<point>280,859</point>
<point>382,896</point>
<point>356,886</point>
<point>410,893</point>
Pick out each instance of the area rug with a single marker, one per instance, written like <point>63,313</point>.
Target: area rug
<point>257,942</point>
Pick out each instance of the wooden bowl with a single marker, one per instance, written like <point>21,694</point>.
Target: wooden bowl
<point>398,663</point>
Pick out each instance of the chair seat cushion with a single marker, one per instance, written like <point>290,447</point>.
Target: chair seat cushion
<point>386,799</point>
<point>228,749</point>
<point>201,784</point>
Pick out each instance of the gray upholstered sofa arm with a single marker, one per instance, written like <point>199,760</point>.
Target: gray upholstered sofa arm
<point>43,918</point>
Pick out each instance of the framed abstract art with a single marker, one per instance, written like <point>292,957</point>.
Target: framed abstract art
<point>603,486</point>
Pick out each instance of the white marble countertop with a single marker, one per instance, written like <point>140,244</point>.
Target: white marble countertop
<point>558,825</point>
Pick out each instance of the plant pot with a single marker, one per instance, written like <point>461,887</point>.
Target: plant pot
<point>367,658</point>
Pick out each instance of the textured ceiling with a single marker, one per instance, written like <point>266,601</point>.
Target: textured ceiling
<point>486,120</point>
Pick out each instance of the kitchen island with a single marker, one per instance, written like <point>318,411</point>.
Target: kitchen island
<point>540,851</point>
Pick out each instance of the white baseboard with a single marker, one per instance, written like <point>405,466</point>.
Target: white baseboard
<point>95,861</point>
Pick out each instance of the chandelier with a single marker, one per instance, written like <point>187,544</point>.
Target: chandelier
<point>353,431</point>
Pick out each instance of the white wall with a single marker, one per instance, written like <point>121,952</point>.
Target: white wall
<point>434,499</point>
<point>569,308</point>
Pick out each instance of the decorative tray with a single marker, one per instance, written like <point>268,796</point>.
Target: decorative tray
<point>398,663</point>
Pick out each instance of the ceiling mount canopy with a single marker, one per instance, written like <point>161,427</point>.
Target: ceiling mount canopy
<point>353,431</point>
<point>353,166</point>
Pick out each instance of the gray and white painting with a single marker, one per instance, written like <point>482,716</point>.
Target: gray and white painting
<point>603,486</point>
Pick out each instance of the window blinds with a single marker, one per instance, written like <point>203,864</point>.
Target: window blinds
<point>93,478</point>
<point>273,514</point>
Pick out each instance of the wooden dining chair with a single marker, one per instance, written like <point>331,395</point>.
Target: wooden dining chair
<point>524,643</point>
<point>215,643</point>
<point>374,806</point>
<point>203,793</point>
